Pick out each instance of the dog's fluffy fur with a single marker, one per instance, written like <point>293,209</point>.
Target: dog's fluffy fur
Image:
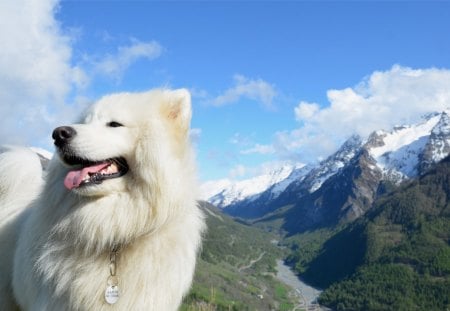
<point>63,236</point>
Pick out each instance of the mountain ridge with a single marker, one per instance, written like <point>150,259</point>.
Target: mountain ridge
<point>354,175</point>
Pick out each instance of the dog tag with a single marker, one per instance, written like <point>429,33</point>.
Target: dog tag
<point>112,290</point>
<point>112,294</point>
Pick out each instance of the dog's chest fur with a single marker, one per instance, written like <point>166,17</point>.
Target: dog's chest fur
<point>153,272</point>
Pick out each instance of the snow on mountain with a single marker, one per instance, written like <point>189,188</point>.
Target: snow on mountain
<point>404,152</point>
<point>297,174</point>
<point>211,188</point>
<point>230,192</point>
<point>398,151</point>
<point>333,163</point>
<point>439,143</point>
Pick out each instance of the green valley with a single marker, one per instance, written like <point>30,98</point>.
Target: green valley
<point>394,257</point>
<point>236,269</point>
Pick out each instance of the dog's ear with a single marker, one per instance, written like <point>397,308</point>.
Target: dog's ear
<point>177,109</point>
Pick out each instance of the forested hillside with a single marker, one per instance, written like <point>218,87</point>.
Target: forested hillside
<point>397,257</point>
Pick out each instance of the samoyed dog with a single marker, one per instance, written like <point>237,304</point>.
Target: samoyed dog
<point>115,224</point>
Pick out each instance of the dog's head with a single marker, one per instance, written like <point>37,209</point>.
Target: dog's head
<point>125,140</point>
<point>127,167</point>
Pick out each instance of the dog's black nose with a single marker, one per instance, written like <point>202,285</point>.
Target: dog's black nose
<point>63,134</point>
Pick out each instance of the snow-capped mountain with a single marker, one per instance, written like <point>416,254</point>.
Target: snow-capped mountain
<point>438,145</point>
<point>385,157</point>
<point>329,167</point>
<point>225,192</point>
<point>260,203</point>
<point>397,153</point>
<point>349,180</point>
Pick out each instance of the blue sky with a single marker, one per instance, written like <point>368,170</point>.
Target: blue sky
<point>271,81</point>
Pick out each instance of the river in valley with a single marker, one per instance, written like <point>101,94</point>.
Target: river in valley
<point>307,294</point>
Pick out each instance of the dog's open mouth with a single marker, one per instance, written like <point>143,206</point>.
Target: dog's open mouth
<point>93,173</point>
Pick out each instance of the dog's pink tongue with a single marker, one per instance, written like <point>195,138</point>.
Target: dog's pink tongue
<point>74,178</point>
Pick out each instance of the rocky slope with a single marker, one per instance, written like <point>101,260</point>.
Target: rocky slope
<point>344,186</point>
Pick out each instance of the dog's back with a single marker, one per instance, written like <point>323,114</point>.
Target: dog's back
<point>20,182</point>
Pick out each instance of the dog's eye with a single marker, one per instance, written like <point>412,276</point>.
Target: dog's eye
<point>114,124</point>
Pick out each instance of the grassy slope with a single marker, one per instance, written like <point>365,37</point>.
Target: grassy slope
<point>236,269</point>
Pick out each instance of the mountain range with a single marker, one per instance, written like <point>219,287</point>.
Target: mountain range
<point>342,187</point>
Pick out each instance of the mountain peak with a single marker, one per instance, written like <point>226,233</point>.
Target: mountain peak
<point>443,125</point>
<point>354,141</point>
<point>397,153</point>
<point>333,163</point>
<point>230,192</point>
<point>438,145</point>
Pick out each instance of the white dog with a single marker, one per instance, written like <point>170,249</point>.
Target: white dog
<point>116,225</point>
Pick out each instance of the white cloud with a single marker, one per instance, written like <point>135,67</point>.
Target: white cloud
<point>400,95</point>
<point>114,65</point>
<point>240,140</point>
<point>247,145</point>
<point>305,110</point>
<point>36,72</point>
<point>254,89</point>
<point>259,149</point>
<point>243,172</point>
<point>39,85</point>
<point>198,93</point>
<point>238,171</point>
